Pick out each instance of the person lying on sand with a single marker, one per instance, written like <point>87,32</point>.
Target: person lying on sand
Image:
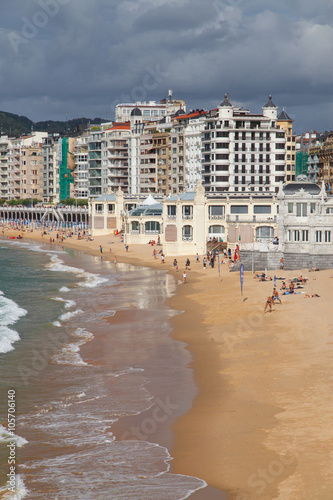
<point>307,296</point>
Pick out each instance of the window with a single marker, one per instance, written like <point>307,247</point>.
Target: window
<point>279,145</point>
<point>221,178</point>
<point>222,156</point>
<point>187,211</point>
<point>216,210</point>
<point>111,207</point>
<point>262,209</point>
<point>290,208</point>
<point>135,226</point>
<point>327,236</point>
<point>187,233</point>
<point>264,232</point>
<point>171,210</point>
<point>216,229</point>
<point>99,208</point>
<point>305,235</point>
<point>152,227</point>
<point>318,237</point>
<point>301,209</point>
<point>312,208</point>
<point>296,235</point>
<point>239,209</point>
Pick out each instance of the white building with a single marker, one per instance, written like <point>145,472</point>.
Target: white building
<point>150,110</point>
<point>243,151</point>
<point>306,225</point>
<point>81,167</point>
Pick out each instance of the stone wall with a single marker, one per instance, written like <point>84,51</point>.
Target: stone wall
<point>292,261</point>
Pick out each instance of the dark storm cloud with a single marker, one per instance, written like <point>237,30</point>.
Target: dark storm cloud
<point>83,56</point>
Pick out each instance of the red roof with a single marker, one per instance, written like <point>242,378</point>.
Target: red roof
<point>120,126</point>
<point>190,115</point>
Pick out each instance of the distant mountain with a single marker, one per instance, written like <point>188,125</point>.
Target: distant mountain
<point>15,125</point>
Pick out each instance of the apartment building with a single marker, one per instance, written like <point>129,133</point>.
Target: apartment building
<point>116,138</point>
<point>4,148</point>
<point>151,110</point>
<point>320,161</point>
<point>31,172</point>
<point>243,151</point>
<point>80,174</point>
<point>50,169</point>
<point>286,123</point>
<point>134,160</point>
<point>22,178</point>
<point>191,126</point>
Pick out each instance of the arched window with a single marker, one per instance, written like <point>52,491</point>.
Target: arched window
<point>264,233</point>
<point>216,230</point>
<point>152,227</point>
<point>187,233</point>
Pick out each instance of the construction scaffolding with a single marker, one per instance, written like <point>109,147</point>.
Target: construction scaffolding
<point>65,172</point>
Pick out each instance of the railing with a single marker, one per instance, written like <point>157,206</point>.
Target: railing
<point>187,237</point>
<point>171,217</point>
<point>216,217</point>
<point>187,217</point>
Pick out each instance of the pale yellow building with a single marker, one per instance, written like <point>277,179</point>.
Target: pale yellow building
<point>286,123</point>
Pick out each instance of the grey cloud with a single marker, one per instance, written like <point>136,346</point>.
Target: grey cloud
<point>93,52</point>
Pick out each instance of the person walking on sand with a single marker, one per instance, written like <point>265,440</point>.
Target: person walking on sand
<point>204,262</point>
<point>281,263</point>
<point>101,249</point>
<point>162,258</point>
<point>197,258</point>
<point>269,303</point>
<point>184,277</point>
<point>275,295</point>
<point>175,264</point>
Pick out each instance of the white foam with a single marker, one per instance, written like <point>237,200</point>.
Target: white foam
<point>69,354</point>
<point>90,280</point>
<point>20,490</point>
<point>64,289</point>
<point>69,315</point>
<point>57,324</point>
<point>10,313</point>
<point>6,436</point>
<point>68,303</point>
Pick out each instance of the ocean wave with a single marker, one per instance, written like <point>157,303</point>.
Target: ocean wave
<point>68,303</point>
<point>20,490</point>
<point>34,247</point>
<point>69,354</point>
<point>90,280</point>
<point>10,313</point>
<point>6,436</point>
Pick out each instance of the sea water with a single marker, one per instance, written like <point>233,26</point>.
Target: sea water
<point>86,347</point>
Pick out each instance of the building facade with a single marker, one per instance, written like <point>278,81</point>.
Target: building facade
<point>243,151</point>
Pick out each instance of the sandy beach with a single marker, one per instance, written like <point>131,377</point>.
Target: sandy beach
<point>260,425</point>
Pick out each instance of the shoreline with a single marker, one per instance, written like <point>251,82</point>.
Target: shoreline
<point>259,426</point>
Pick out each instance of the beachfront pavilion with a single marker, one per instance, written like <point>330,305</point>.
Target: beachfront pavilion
<point>184,224</point>
<point>306,225</point>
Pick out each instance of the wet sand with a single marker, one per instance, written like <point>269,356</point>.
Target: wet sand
<point>260,426</point>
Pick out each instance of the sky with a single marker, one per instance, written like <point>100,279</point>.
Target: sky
<point>64,59</point>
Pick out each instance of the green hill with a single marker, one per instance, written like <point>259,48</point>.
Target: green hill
<point>15,125</point>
